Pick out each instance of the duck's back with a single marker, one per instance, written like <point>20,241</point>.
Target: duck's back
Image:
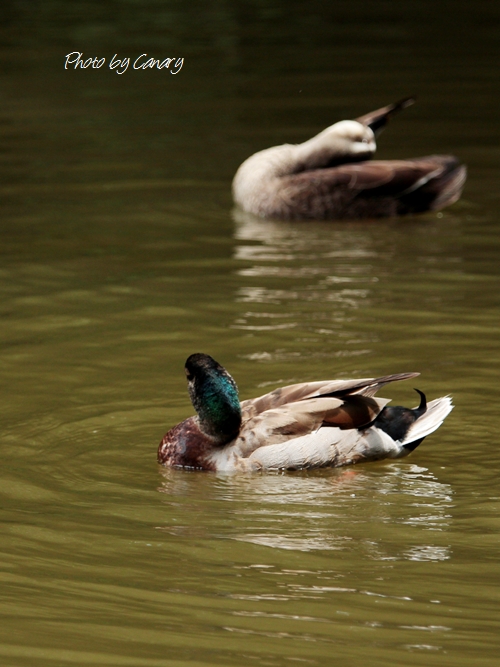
<point>369,189</point>
<point>302,409</point>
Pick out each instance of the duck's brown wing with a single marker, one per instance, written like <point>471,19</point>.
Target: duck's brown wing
<point>372,188</point>
<point>291,420</point>
<point>333,389</point>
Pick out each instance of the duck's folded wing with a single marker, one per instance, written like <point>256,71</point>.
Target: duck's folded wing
<point>326,388</point>
<point>376,178</point>
<point>292,420</point>
<point>369,189</point>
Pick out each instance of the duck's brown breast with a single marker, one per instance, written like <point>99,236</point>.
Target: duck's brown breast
<point>186,446</point>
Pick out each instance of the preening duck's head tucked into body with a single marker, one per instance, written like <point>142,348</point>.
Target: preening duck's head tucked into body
<point>308,425</point>
<point>331,177</point>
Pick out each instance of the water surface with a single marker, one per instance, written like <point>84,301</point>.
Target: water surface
<point>121,255</point>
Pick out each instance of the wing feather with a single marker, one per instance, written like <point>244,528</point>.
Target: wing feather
<point>306,390</point>
<point>369,189</point>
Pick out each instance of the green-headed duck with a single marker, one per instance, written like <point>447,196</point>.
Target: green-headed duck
<point>328,423</point>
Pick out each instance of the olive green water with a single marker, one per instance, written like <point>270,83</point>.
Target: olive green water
<point>121,255</point>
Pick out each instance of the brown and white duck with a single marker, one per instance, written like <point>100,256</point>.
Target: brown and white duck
<point>332,176</point>
<point>328,423</point>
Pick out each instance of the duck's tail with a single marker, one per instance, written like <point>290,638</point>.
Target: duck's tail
<point>440,186</point>
<point>436,412</point>
<point>450,187</point>
<point>377,120</point>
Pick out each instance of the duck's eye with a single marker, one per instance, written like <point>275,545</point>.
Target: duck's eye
<point>188,375</point>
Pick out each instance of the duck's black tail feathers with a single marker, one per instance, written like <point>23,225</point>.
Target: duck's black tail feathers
<point>411,426</point>
<point>377,120</point>
<point>438,188</point>
<point>397,420</point>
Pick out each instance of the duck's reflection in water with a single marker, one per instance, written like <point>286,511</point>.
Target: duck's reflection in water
<point>287,241</point>
<point>392,511</point>
<point>340,253</point>
<point>313,277</point>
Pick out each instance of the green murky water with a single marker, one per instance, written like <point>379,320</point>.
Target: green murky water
<point>121,255</point>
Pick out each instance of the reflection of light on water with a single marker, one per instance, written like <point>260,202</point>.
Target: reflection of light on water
<point>316,592</point>
<point>307,543</point>
<point>288,617</point>
<point>346,297</point>
<point>427,628</point>
<point>274,635</point>
<point>340,511</point>
<point>321,274</point>
<point>385,512</point>
<point>274,240</point>
<point>281,355</point>
<point>241,324</point>
<point>428,552</point>
<point>283,272</point>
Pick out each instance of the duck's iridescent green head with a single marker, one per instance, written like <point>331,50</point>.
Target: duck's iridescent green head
<point>214,395</point>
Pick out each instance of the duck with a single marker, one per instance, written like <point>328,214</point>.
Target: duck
<point>320,424</point>
<point>332,176</point>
